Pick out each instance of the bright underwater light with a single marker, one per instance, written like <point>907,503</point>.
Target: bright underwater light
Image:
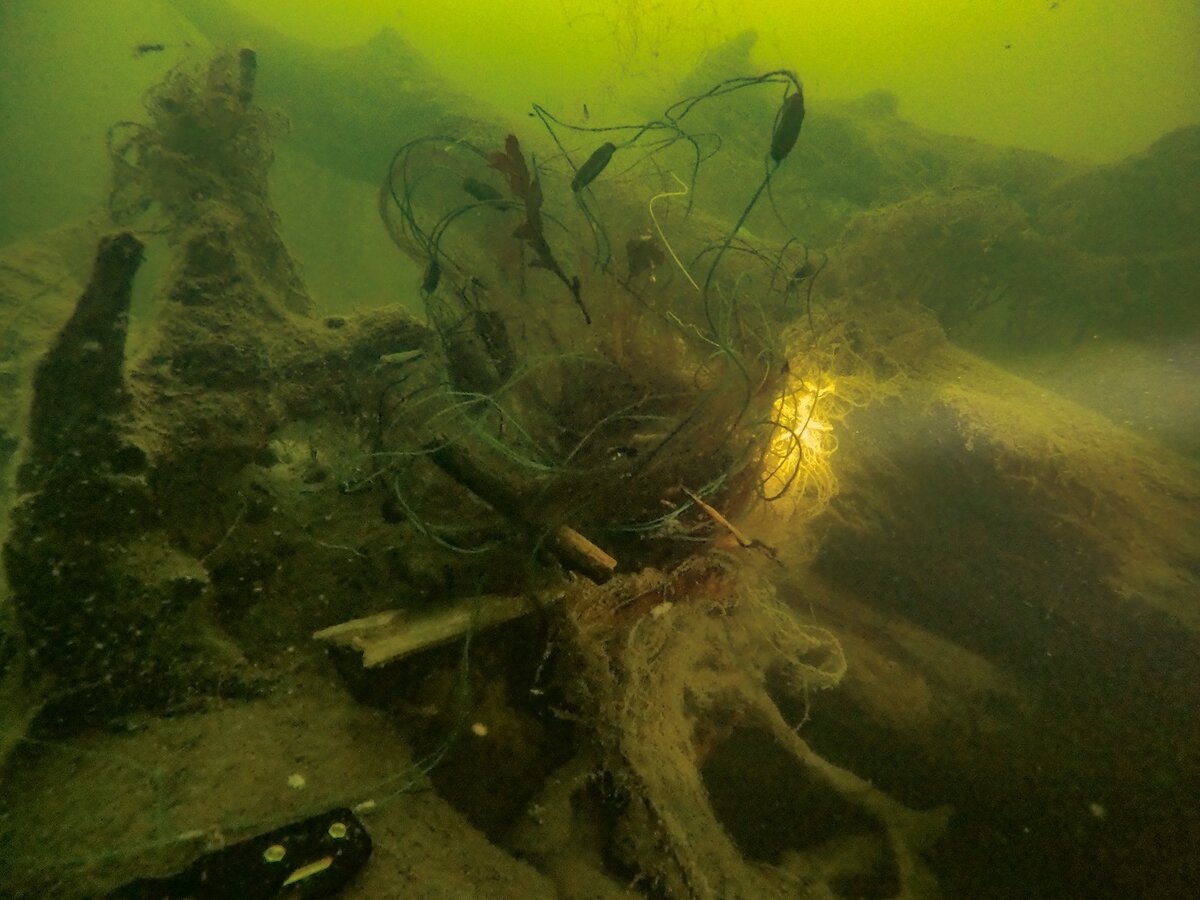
<point>797,458</point>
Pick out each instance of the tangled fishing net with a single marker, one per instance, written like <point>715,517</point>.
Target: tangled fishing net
<point>672,667</point>
<point>618,360</point>
<point>604,349</point>
<point>198,173</point>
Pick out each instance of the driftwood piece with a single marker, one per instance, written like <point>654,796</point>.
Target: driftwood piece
<point>580,555</point>
<point>395,634</point>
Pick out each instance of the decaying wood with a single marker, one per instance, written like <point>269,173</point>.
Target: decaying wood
<point>580,555</point>
<point>1015,580</point>
<point>395,634</point>
<point>78,388</point>
<point>571,548</point>
<point>122,450</point>
<point>87,555</point>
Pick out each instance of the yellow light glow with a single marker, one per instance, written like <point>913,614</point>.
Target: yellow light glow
<point>796,460</point>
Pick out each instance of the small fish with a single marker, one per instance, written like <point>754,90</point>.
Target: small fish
<point>480,190</point>
<point>401,358</point>
<point>787,128</point>
<point>432,276</point>
<point>596,163</point>
<point>802,271</point>
<point>142,49</point>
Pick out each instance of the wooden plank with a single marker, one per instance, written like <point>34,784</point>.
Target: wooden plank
<point>395,634</point>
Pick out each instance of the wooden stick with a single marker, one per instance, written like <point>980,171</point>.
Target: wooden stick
<point>720,520</point>
<point>743,541</point>
<point>570,547</point>
<point>395,634</point>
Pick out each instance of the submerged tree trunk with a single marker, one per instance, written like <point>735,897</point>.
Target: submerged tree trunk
<point>1015,581</point>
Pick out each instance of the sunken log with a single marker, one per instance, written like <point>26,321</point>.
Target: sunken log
<point>572,549</point>
<point>1014,580</point>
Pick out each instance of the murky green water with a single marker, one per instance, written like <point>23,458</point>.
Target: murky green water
<point>550,441</point>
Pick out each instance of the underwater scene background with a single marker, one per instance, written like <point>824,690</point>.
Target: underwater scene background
<point>561,449</point>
